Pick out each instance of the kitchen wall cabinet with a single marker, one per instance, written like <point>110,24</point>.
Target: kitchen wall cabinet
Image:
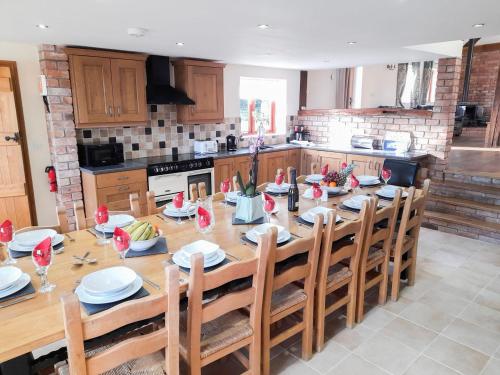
<point>109,88</point>
<point>203,82</point>
<point>366,165</point>
<point>113,190</point>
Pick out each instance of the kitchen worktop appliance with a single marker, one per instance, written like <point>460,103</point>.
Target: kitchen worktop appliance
<point>231,143</point>
<point>205,147</point>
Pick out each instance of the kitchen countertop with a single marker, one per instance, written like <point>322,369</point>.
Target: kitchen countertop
<point>142,163</point>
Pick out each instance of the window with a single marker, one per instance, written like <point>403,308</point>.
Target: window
<point>263,102</point>
<point>419,83</point>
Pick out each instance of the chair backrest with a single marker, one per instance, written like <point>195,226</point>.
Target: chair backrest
<point>342,241</point>
<point>61,227</point>
<point>413,214</point>
<point>78,330</point>
<point>200,282</point>
<point>306,271</point>
<point>84,222</point>
<point>403,172</point>
<point>381,224</point>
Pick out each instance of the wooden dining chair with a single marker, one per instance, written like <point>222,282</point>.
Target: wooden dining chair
<point>197,191</point>
<point>83,222</point>
<point>338,270</point>
<point>289,291</point>
<point>374,261</point>
<point>138,354</point>
<point>215,329</point>
<point>404,246</point>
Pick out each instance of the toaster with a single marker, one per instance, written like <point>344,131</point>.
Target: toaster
<point>205,147</point>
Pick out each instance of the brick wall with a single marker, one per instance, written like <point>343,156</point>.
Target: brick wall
<point>432,134</point>
<point>61,128</point>
<point>483,80</point>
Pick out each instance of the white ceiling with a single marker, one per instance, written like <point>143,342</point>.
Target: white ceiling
<point>304,34</point>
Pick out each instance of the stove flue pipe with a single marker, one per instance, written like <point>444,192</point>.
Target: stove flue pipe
<point>468,67</point>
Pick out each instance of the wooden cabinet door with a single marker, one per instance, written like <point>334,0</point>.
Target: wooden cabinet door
<point>362,164</point>
<point>293,159</point>
<point>117,198</point>
<point>242,164</point>
<point>129,90</point>
<point>275,161</point>
<point>223,168</point>
<point>92,89</point>
<point>333,159</point>
<point>308,157</point>
<point>206,89</point>
<point>375,167</point>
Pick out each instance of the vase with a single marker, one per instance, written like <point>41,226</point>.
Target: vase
<point>249,209</point>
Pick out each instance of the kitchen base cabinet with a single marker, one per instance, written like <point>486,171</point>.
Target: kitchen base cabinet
<point>366,165</point>
<point>333,159</point>
<point>274,161</point>
<point>113,190</point>
<point>293,159</point>
<point>308,157</point>
<point>223,168</point>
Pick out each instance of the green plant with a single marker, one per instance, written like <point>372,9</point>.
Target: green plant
<point>250,189</point>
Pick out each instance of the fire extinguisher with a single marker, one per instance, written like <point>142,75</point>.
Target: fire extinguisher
<point>51,174</point>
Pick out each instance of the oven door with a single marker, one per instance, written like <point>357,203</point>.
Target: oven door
<point>202,175</point>
<point>166,186</point>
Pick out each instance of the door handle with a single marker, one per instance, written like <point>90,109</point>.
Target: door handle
<point>123,188</point>
<point>16,138</point>
<point>119,110</point>
<point>110,110</point>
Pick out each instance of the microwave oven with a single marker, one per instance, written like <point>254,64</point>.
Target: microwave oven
<point>205,147</point>
<point>100,155</point>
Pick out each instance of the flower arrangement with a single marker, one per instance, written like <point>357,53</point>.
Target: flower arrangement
<point>334,179</point>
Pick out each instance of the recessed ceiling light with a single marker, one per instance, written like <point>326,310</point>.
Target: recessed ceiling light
<point>180,44</point>
<point>351,43</point>
<point>263,26</point>
<point>42,26</point>
<point>479,25</point>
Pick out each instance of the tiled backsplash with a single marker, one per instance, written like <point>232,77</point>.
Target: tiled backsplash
<point>163,135</point>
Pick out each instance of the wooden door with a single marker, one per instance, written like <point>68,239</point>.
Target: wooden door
<point>293,159</point>
<point>206,89</point>
<point>333,159</point>
<point>14,202</point>
<point>92,89</point>
<point>129,90</point>
<point>223,168</point>
<point>275,161</point>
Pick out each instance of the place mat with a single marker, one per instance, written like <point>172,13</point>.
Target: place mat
<point>305,222</point>
<point>236,221</point>
<point>183,218</point>
<point>206,269</point>
<point>369,186</point>
<point>247,240</point>
<point>159,248</point>
<point>229,203</point>
<point>342,206</point>
<point>339,194</point>
<point>99,234</point>
<point>28,289</point>
<point>387,198</point>
<point>92,309</point>
<point>22,254</point>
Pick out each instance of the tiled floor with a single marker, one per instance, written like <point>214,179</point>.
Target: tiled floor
<point>447,324</point>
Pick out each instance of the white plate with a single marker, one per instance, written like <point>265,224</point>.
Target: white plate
<point>14,245</point>
<point>254,233</point>
<point>108,280</point>
<point>120,221</point>
<point>368,180</point>
<point>17,286</point>
<point>186,207</point>
<point>390,193</point>
<point>232,196</point>
<point>355,201</point>
<point>309,214</point>
<point>314,178</point>
<point>274,188</point>
<point>33,237</point>
<point>8,276</point>
<point>87,297</point>
<point>180,259</point>
<point>179,214</point>
<point>208,249</point>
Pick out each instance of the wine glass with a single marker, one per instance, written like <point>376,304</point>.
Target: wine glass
<point>178,203</point>
<point>101,217</point>
<point>386,175</point>
<point>317,193</point>
<point>225,187</point>
<point>6,235</point>
<point>42,258</point>
<point>269,205</point>
<point>121,243</point>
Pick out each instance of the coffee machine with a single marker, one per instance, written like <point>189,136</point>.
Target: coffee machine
<point>231,143</point>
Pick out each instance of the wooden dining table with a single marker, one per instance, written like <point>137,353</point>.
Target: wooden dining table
<point>37,322</point>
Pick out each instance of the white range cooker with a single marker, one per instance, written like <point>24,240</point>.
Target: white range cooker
<point>169,175</point>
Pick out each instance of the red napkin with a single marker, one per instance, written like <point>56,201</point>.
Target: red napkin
<point>279,178</point>
<point>269,203</point>
<point>102,215</point>
<point>386,173</point>
<point>225,185</point>
<point>121,239</point>
<point>42,253</point>
<point>6,231</point>
<point>354,181</point>
<point>317,192</point>
<point>343,165</point>
<point>204,218</point>
<point>178,200</point>
<point>324,170</point>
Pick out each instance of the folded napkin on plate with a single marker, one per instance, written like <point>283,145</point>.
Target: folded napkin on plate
<point>269,203</point>
<point>6,231</point>
<point>204,218</point>
<point>121,239</point>
<point>42,253</point>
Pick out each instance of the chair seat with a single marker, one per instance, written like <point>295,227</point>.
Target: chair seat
<point>338,273</point>
<point>152,364</point>
<point>375,254</point>
<point>218,334</point>
<point>286,297</point>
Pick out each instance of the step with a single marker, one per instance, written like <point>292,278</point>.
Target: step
<point>472,177</point>
<point>465,203</point>
<point>463,221</point>
<point>485,189</point>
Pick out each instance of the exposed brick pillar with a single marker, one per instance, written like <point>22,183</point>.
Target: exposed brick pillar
<point>443,117</point>
<point>61,128</point>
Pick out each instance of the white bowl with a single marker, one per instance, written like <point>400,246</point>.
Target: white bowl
<point>108,280</point>
<point>145,244</point>
<point>207,248</point>
<point>9,276</point>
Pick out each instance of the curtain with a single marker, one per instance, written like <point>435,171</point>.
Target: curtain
<point>415,91</point>
<point>344,87</point>
<point>401,82</point>
<point>426,82</point>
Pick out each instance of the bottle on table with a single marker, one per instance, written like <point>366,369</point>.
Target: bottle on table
<point>293,193</point>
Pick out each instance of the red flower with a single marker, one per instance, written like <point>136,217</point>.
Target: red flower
<point>6,231</point>
<point>121,239</point>
<point>204,218</point>
<point>42,252</point>
<point>102,215</point>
